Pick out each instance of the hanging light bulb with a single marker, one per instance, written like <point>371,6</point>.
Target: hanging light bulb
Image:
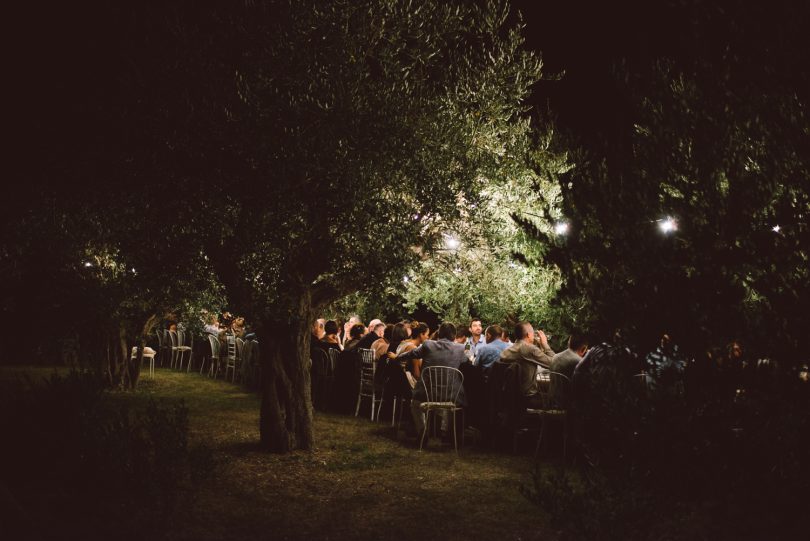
<point>561,228</point>
<point>668,225</point>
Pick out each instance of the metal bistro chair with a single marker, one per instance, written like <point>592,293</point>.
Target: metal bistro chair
<point>551,409</point>
<point>388,385</point>
<point>231,358</point>
<point>163,347</point>
<point>213,368</point>
<point>442,387</point>
<point>367,370</point>
<point>174,342</point>
<point>148,353</point>
<point>184,346</point>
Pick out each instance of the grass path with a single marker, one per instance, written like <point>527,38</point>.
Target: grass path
<point>359,483</point>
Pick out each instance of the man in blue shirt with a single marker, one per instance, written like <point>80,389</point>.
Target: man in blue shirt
<point>476,339</point>
<point>491,351</point>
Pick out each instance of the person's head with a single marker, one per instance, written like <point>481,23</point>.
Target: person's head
<point>373,324</point>
<point>357,330</point>
<point>578,344</point>
<point>475,328</point>
<point>504,334</point>
<point>377,328</point>
<point>354,320</point>
<point>330,328</point>
<point>447,331</point>
<point>493,333</point>
<point>212,319</point>
<point>734,351</point>
<point>172,326</point>
<point>317,328</point>
<point>419,332</point>
<point>400,333</point>
<point>388,332</point>
<point>238,322</point>
<point>462,334</point>
<point>524,332</point>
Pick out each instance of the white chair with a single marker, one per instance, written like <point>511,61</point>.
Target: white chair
<point>163,345</point>
<point>184,346</point>
<point>367,370</point>
<point>174,343</point>
<point>231,358</point>
<point>442,386</point>
<point>215,346</point>
<point>148,353</point>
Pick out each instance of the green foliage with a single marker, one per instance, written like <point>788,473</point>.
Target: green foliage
<point>667,468</point>
<point>70,440</point>
<point>721,149</point>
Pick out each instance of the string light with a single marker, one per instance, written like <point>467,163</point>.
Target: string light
<point>776,228</point>
<point>451,242</point>
<point>561,228</point>
<point>668,225</point>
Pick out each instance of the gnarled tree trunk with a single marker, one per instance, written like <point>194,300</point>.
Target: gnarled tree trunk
<point>286,411</point>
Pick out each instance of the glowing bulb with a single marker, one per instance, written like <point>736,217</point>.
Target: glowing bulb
<point>405,279</point>
<point>452,243</point>
<point>561,228</point>
<point>88,264</point>
<point>776,228</point>
<point>668,225</point>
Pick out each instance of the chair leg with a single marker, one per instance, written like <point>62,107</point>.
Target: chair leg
<point>372,405</point>
<point>357,409</point>
<point>425,429</point>
<point>455,438</point>
<point>379,408</point>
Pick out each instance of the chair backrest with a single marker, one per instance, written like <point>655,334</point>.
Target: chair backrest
<point>320,361</point>
<point>173,338</point>
<point>442,383</point>
<point>367,366</point>
<point>240,347</point>
<point>181,338</point>
<point>558,393</point>
<point>214,341</point>
<point>230,344</point>
<point>161,337</point>
<point>333,357</point>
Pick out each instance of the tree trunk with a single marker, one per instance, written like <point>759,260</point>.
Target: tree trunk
<point>286,411</point>
<point>134,365</point>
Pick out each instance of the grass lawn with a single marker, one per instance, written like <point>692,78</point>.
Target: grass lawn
<point>360,482</point>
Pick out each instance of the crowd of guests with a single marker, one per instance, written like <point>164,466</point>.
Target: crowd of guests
<point>403,350</point>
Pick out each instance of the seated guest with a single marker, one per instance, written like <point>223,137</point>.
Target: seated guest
<point>375,332</point>
<point>419,334</point>
<point>347,327</point>
<point>530,358</point>
<point>238,327</point>
<point>212,325</point>
<point>564,363</point>
<point>475,339</point>
<point>380,346</point>
<point>441,352</point>
<point>665,365</point>
<point>330,339</point>
<point>491,351</point>
<point>462,335</point>
<point>316,333</point>
<point>505,336</point>
<point>355,334</point>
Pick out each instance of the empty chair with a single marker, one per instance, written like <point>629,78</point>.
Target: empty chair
<point>148,353</point>
<point>184,346</point>
<point>367,390</point>
<point>163,347</point>
<point>443,385</point>
<point>231,357</point>
<point>551,409</point>
<point>215,350</point>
